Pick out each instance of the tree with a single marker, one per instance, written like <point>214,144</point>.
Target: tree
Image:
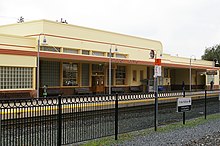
<point>212,53</point>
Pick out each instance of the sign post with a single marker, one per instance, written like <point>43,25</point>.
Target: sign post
<point>157,72</point>
<point>184,105</point>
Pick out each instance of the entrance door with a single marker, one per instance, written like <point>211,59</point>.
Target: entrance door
<point>98,84</point>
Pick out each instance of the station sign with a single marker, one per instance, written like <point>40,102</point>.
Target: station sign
<point>184,104</point>
<point>211,72</point>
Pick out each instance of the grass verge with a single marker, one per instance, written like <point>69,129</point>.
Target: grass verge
<point>107,141</point>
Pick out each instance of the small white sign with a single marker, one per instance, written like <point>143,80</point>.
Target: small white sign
<point>157,70</point>
<point>184,101</point>
<point>184,104</point>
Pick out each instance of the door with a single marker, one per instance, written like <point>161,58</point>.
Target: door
<point>98,84</point>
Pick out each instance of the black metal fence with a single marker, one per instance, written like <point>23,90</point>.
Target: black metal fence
<point>71,119</point>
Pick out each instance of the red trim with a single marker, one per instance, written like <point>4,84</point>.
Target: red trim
<point>17,52</point>
<point>93,58</point>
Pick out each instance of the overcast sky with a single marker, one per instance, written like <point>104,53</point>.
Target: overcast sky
<point>185,27</point>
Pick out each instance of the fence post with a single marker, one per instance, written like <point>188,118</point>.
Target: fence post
<point>205,103</point>
<point>184,114</point>
<point>0,127</point>
<point>116,116</point>
<point>59,122</point>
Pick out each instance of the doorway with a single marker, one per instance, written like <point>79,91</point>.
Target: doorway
<point>98,84</point>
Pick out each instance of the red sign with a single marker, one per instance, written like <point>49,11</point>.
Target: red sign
<point>157,61</point>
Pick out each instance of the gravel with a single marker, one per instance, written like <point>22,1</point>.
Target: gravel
<point>201,135</point>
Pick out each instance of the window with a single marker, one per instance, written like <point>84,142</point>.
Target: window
<point>166,72</point>
<point>85,52</point>
<point>108,54</point>
<point>134,75</point>
<point>120,75</point>
<point>141,75</point>
<point>160,80</point>
<point>97,69</point>
<point>85,74</point>
<point>72,51</point>
<point>16,77</point>
<point>50,49</point>
<point>49,73</point>
<point>70,74</point>
<point>97,53</point>
<point>121,56</point>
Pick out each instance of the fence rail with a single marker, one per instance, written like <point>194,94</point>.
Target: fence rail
<point>71,119</point>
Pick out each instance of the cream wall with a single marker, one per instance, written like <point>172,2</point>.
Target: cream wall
<point>138,69</point>
<point>180,75</point>
<point>99,35</point>
<point>23,29</point>
<point>17,60</point>
<point>185,61</point>
<point>126,44</point>
<point>71,36</point>
<point>17,43</point>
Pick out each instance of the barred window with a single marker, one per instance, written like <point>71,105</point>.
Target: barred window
<point>141,75</point>
<point>16,77</point>
<point>121,56</point>
<point>72,51</point>
<point>50,49</point>
<point>70,74</point>
<point>120,75</point>
<point>97,53</point>
<point>134,75</point>
<point>85,74</point>
<point>49,73</point>
<point>85,52</point>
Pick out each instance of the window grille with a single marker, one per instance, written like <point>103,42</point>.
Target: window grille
<point>16,77</point>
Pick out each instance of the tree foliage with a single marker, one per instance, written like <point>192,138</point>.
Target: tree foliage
<point>212,53</point>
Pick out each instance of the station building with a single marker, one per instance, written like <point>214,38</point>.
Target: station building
<point>78,57</point>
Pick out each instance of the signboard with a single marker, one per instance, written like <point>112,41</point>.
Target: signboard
<point>184,104</point>
<point>211,72</point>
<point>158,61</point>
<point>157,71</point>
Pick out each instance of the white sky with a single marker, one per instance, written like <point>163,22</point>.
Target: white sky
<point>185,27</point>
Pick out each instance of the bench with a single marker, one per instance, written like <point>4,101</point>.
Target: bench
<point>15,95</point>
<point>53,92</point>
<point>83,90</point>
<point>118,90</point>
<point>135,89</point>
